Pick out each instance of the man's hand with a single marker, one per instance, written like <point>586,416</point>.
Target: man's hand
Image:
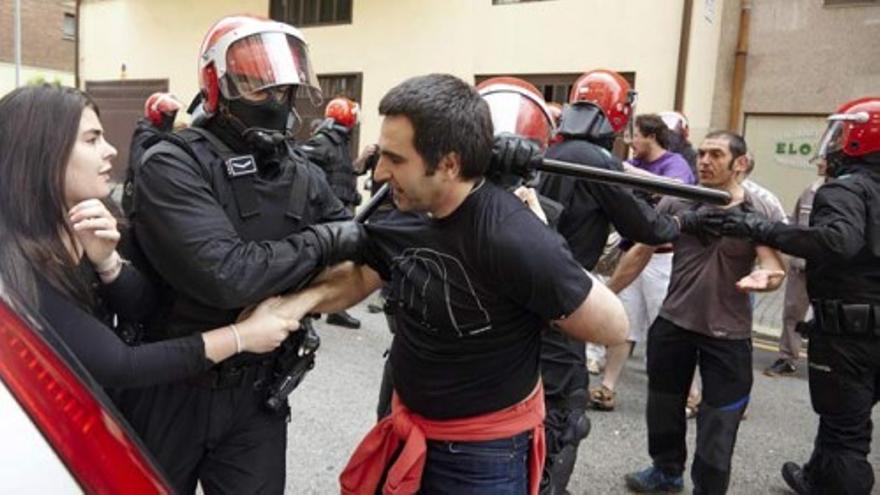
<point>530,198</point>
<point>340,241</point>
<point>760,280</point>
<point>514,155</point>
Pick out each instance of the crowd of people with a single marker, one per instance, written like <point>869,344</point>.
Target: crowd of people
<point>191,302</point>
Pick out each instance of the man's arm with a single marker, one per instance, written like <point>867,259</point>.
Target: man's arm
<point>769,274</point>
<point>600,318</point>
<point>337,288</point>
<point>630,266</point>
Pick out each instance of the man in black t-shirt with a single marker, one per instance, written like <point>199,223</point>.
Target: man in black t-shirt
<point>473,277</point>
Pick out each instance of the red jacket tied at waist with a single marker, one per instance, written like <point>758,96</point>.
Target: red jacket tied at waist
<point>364,470</point>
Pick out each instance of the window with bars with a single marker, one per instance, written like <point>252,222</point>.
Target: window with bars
<point>68,29</point>
<point>304,13</point>
<point>332,85</point>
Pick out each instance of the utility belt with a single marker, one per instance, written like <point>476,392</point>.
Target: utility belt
<point>834,317</point>
<point>277,374</point>
<point>232,376</point>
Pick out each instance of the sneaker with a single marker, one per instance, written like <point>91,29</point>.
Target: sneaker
<point>780,367</point>
<point>602,398</point>
<point>343,319</point>
<point>653,480</point>
<point>795,479</point>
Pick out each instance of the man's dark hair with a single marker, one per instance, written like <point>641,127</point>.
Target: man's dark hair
<point>735,142</point>
<point>447,115</point>
<point>651,125</point>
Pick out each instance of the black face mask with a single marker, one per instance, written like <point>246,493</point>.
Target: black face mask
<point>269,115</point>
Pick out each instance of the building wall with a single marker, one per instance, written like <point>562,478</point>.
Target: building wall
<point>804,59</point>
<point>390,40</point>
<point>45,52</point>
<point>154,40</point>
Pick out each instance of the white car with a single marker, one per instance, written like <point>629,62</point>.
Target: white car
<point>60,433</point>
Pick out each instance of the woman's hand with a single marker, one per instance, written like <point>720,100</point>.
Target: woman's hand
<point>266,327</point>
<point>95,230</point>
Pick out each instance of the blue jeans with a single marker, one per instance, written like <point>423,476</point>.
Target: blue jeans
<point>497,467</point>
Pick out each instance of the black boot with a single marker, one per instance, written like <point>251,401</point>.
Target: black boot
<point>343,319</point>
<point>794,477</point>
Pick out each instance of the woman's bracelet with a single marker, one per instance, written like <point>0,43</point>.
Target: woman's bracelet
<point>237,337</point>
<point>109,266</point>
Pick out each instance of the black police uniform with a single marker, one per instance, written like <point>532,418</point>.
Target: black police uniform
<point>222,227</point>
<point>589,210</point>
<point>329,149</point>
<point>842,249</point>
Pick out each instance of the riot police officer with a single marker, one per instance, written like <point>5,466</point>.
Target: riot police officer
<point>842,249</point>
<point>600,108</point>
<point>224,213</point>
<point>329,149</point>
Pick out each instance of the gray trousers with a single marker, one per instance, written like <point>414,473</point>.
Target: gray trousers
<point>795,306</point>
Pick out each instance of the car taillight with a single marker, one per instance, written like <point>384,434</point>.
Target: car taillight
<point>91,443</point>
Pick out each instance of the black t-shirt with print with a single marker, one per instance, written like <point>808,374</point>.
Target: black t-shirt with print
<point>470,293</point>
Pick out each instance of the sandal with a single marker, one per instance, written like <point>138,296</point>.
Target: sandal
<point>602,398</point>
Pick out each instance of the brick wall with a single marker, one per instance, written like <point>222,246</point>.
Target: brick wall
<point>42,33</point>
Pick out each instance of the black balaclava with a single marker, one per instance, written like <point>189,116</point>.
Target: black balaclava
<point>586,121</point>
<point>258,127</point>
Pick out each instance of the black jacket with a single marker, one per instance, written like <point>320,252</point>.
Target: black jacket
<point>590,207</point>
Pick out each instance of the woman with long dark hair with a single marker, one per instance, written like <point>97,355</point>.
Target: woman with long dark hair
<point>58,247</point>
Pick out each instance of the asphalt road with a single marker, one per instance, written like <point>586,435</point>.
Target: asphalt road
<point>335,406</point>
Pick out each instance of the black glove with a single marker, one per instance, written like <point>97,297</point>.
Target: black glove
<point>340,241</point>
<point>743,223</point>
<point>696,223</point>
<point>514,155</point>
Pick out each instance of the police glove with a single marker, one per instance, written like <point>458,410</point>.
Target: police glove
<point>743,223</point>
<point>514,155</point>
<point>340,241</point>
<point>695,222</point>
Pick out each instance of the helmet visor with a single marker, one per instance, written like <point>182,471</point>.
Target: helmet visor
<point>832,140</point>
<point>266,60</point>
<point>516,113</point>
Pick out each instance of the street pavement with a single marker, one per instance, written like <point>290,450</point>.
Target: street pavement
<point>335,406</point>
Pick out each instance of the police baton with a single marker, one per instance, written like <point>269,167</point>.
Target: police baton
<point>657,185</point>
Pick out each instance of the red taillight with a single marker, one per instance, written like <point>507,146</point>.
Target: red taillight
<point>93,445</point>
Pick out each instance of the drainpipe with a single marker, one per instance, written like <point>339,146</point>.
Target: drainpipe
<point>684,43</point>
<point>739,67</point>
<point>76,48</point>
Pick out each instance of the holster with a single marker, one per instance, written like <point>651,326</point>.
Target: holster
<point>834,317</point>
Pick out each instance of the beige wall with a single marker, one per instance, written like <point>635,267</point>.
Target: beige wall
<point>390,40</point>
<point>155,39</point>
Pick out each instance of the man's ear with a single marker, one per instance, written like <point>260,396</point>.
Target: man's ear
<point>741,164</point>
<point>450,165</point>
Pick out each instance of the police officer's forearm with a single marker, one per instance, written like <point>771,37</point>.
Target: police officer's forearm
<point>812,243</point>
<point>634,218</point>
